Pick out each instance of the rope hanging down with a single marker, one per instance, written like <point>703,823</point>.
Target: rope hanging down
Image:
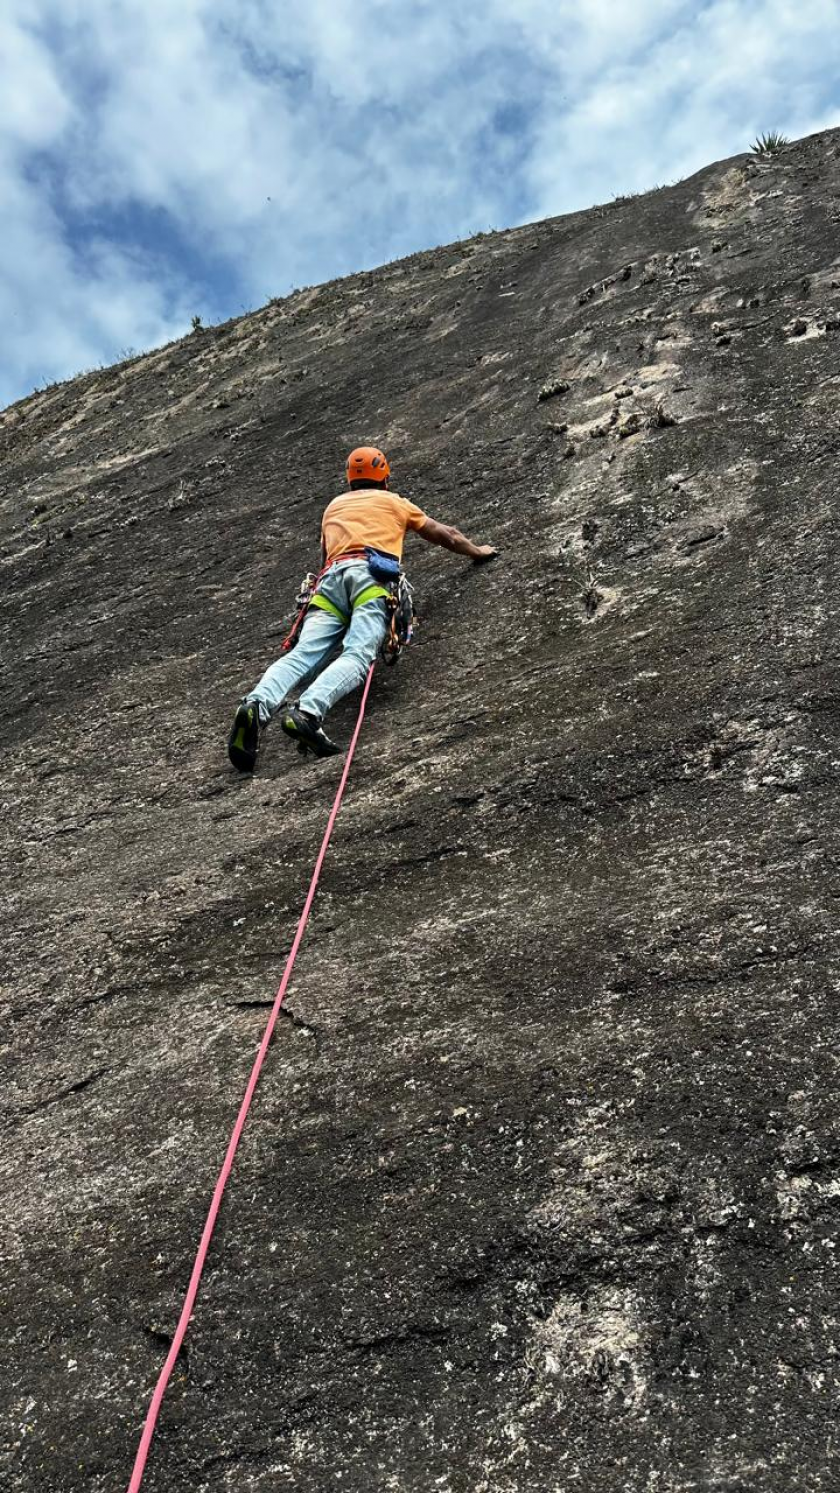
<point>227,1164</point>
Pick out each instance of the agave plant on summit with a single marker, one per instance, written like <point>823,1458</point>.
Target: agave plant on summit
<point>769,144</point>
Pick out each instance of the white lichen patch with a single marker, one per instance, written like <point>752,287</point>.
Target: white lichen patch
<point>600,1340</point>
<point>791,1194</point>
<point>728,198</point>
<point>800,330</point>
<point>657,373</point>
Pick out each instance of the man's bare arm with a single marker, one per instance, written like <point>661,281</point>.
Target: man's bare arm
<point>450,538</point>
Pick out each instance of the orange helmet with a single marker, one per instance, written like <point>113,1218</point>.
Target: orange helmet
<point>367,464</point>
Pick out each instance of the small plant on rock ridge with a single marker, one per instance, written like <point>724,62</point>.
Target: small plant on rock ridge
<point>554,387</point>
<point>591,596</point>
<point>196,324</point>
<point>769,144</point>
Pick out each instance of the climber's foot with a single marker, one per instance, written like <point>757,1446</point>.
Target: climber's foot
<point>244,739</point>
<point>307,732</point>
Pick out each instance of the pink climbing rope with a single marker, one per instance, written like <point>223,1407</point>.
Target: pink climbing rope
<point>233,1143</point>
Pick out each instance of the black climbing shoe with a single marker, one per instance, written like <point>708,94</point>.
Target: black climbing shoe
<point>244,739</point>
<point>306,730</point>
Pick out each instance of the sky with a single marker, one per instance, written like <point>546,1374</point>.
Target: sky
<point>164,159</point>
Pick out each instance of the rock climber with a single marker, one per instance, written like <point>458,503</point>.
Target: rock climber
<point>348,606</point>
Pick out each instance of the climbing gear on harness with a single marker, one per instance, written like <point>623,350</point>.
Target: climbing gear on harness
<point>367,463</point>
<point>307,586</point>
<point>227,1165</point>
<point>303,597</point>
<point>244,739</point>
<point>306,731</point>
<point>305,593</point>
<point>402,621</point>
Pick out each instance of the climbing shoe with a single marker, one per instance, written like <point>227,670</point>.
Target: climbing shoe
<point>306,730</point>
<point>244,739</point>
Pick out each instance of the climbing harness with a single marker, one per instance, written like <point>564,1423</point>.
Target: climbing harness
<point>227,1165</point>
<point>390,582</point>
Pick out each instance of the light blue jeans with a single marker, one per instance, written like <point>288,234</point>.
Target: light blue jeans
<point>322,631</point>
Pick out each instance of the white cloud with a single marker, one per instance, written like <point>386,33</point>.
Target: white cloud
<point>158,159</point>
<point>723,73</point>
<point>59,312</point>
<point>35,107</point>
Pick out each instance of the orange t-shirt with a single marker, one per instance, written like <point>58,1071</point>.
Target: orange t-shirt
<point>371,516</point>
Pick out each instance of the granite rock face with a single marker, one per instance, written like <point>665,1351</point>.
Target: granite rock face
<point>541,1186</point>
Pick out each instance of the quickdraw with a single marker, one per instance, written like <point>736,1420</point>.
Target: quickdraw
<point>402,621</point>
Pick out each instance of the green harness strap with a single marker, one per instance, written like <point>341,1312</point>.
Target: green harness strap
<point>370,593</point>
<point>328,606</point>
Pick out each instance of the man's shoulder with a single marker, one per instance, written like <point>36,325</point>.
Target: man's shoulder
<point>411,510</point>
<point>377,497</point>
<point>407,510</point>
<point>338,501</point>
